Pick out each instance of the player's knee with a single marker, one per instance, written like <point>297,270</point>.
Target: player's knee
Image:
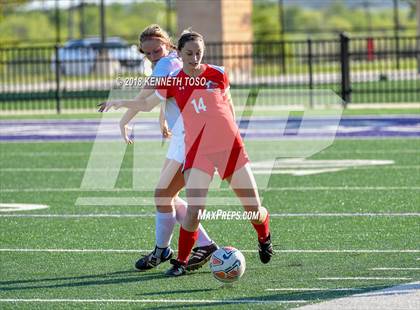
<point>162,197</point>
<point>193,213</point>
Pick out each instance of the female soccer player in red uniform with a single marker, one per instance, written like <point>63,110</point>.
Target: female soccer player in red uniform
<point>155,43</point>
<point>212,141</point>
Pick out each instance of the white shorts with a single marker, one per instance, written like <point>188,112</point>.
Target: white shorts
<point>176,150</point>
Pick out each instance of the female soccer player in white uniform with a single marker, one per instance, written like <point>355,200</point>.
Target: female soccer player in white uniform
<point>157,47</point>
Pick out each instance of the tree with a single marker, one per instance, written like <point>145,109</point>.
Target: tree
<point>10,7</point>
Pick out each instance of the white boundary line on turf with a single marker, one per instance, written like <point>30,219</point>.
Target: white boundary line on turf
<point>144,201</point>
<point>363,278</point>
<point>310,289</point>
<point>348,138</point>
<point>165,301</point>
<point>358,214</point>
<point>152,215</point>
<point>78,170</point>
<point>367,251</point>
<point>303,188</point>
<point>395,268</point>
<point>87,153</point>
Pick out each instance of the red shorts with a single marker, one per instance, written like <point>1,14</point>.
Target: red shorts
<point>226,162</point>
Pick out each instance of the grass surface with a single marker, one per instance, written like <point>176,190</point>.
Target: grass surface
<point>109,275</point>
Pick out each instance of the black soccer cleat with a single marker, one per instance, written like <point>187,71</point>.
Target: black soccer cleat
<point>153,259</point>
<point>200,256</point>
<point>177,269</point>
<point>265,250</point>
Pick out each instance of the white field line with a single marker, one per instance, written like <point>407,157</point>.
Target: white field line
<point>154,301</point>
<point>366,251</point>
<point>395,268</point>
<point>12,207</point>
<point>370,214</point>
<point>394,151</point>
<point>152,215</point>
<point>358,214</point>
<point>59,141</point>
<point>78,170</point>
<point>364,278</point>
<point>285,154</point>
<point>310,289</point>
<point>280,189</point>
<point>107,154</point>
<point>145,201</point>
<point>382,106</point>
<point>51,189</point>
<point>64,216</point>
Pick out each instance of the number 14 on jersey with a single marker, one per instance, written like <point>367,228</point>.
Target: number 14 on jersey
<point>200,106</point>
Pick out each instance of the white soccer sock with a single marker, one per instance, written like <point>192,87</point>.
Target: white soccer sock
<point>203,237</point>
<point>165,223</point>
<point>181,211</point>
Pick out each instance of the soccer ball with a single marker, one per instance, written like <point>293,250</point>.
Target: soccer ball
<point>227,264</point>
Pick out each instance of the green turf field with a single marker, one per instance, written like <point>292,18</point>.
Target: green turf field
<point>325,226</point>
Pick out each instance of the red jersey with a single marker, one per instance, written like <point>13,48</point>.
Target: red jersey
<point>205,109</point>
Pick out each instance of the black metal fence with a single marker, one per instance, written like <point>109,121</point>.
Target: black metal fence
<point>359,70</point>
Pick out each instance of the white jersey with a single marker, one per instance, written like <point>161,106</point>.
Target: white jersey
<point>164,67</point>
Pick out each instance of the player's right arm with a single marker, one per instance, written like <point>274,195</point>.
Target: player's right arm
<point>146,104</point>
<point>125,120</point>
<point>162,69</point>
<point>145,101</point>
<point>141,103</point>
<point>126,103</point>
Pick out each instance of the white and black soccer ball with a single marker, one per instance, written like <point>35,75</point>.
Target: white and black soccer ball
<point>227,264</point>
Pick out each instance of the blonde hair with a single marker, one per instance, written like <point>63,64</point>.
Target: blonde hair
<point>155,32</point>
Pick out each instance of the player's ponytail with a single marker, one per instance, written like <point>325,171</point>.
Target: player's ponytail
<point>189,35</point>
<point>155,32</point>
